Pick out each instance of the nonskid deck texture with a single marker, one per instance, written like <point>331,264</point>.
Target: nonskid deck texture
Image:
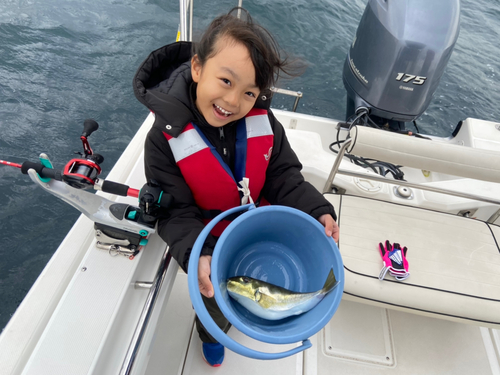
<point>360,339</point>
<point>454,261</point>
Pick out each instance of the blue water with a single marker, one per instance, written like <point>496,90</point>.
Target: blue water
<point>62,62</point>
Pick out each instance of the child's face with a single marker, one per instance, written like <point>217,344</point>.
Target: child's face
<point>226,83</point>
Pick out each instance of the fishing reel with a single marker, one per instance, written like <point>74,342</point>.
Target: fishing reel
<point>120,228</point>
<point>83,173</point>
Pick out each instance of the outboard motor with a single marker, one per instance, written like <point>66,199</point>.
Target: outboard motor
<point>397,57</point>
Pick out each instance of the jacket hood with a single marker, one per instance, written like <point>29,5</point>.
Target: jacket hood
<point>162,83</point>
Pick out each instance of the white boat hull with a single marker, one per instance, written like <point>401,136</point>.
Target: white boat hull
<point>81,313</point>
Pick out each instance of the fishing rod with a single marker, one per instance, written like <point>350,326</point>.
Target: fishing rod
<point>80,173</point>
<point>119,228</point>
<point>10,164</point>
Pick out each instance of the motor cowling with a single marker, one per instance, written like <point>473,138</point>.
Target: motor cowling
<point>398,56</point>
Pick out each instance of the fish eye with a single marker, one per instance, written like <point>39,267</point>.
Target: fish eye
<point>246,280</point>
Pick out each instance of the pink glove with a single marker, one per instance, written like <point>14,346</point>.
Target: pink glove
<point>394,259</point>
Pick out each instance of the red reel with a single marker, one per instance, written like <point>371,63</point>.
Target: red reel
<point>81,173</point>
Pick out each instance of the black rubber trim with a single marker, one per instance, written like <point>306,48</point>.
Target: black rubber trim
<point>423,310</point>
<point>422,286</point>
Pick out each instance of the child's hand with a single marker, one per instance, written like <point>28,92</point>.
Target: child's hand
<point>204,282</point>
<point>331,227</point>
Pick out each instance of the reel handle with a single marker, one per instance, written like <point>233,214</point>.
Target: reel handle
<point>89,126</point>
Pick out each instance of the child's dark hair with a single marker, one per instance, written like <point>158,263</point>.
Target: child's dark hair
<point>264,50</point>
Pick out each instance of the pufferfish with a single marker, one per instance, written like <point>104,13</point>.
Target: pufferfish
<point>272,302</point>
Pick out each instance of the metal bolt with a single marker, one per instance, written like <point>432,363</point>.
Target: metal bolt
<point>83,269</point>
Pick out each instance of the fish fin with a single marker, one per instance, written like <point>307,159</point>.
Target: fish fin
<point>258,296</point>
<point>330,283</point>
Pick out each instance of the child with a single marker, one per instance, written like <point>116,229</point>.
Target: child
<point>213,126</point>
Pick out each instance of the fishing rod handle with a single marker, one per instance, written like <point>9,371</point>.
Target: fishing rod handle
<point>116,188</point>
<point>201,310</point>
<point>42,171</point>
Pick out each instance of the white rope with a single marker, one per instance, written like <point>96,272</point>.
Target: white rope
<point>245,188</point>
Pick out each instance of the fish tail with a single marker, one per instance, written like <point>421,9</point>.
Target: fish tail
<point>330,283</point>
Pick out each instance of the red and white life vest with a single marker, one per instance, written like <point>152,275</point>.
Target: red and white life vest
<point>212,183</point>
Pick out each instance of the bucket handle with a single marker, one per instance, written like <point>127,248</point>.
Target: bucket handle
<point>201,310</point>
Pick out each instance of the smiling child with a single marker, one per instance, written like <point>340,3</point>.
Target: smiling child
<point>213,127</point>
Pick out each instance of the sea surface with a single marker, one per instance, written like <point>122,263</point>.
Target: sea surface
<point>64,61</point>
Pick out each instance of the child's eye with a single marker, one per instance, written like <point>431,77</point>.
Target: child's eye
<point>226,81</point>
<point>251,94</point>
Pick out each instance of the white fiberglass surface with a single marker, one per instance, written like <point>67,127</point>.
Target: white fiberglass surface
<point>360,339</point>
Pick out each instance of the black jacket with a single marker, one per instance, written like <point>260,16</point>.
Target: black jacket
<point>163,83</point>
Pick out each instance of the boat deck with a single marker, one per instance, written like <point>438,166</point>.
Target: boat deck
<point>360,339</point>
<point>80,316</point>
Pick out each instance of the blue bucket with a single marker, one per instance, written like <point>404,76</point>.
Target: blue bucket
<point>279,245</point>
